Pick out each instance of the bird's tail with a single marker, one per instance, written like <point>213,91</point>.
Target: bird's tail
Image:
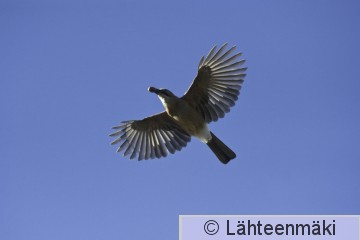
<point>223,152</point>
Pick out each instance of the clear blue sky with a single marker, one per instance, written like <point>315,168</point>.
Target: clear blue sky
<point>70,71</point>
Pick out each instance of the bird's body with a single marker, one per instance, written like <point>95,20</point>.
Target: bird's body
<point>187,118</point>
<point>213,92</point>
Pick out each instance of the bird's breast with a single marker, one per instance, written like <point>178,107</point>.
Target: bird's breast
<point>189,120</point>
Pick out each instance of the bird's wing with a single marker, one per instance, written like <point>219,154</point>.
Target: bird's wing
<point>151,137</point>
<point>217,84</point>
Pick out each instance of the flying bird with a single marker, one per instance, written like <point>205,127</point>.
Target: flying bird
<point>213,92</point>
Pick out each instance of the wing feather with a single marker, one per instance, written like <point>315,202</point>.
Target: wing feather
<point>218,82</point>
<point>151,137</point>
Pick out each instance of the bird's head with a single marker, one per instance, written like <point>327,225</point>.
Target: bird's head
<point>162,93</point>
<point>165,95</point>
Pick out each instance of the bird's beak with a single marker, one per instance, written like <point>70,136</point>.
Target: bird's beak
<point>154,90</point>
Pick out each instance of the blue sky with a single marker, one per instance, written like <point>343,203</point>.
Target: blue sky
<point>71,70</point>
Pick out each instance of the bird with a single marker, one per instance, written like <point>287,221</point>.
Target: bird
<point>210,96</point>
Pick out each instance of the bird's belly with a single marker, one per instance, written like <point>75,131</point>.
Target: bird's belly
<point>194,125</point>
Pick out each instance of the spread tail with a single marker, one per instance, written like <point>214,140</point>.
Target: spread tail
<point>223,152</point>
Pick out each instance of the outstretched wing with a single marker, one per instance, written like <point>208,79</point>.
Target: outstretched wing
<point>152,137</point>
<point>217,84</point>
